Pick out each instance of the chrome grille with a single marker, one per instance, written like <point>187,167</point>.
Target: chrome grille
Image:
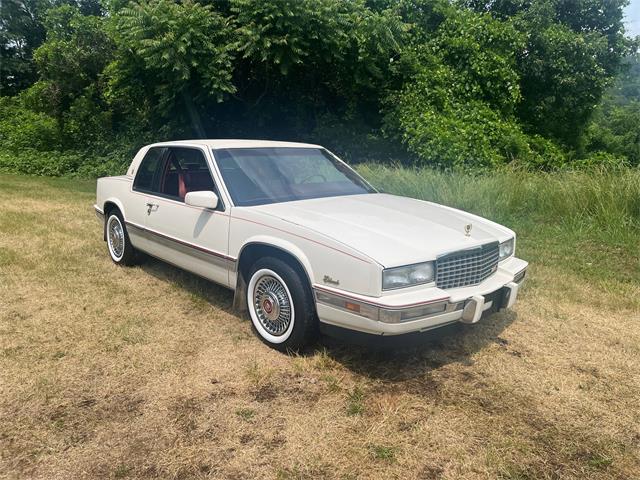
<point>467,267</point>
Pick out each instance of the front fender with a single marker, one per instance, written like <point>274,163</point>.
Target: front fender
<point>324,260</point>
<point>238,282</point>
<point>282,244</point>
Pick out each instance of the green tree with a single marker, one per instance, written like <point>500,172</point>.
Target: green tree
<point>615,128</point>
<point>458,107</point>
<point>462,82</point>
<point>22,31</point>
<point>573,52</point>
<point>180,53</point>
<point>332,56</point>
<point>70,61</point>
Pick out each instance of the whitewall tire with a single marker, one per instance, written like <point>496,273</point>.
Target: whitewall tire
<point>272,310</point>
<point>120,249</point>
<point>280,305</point>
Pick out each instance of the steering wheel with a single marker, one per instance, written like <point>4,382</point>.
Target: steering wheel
<point>319,175</point>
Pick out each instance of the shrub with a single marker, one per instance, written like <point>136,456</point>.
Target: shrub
<point>38,162</point>
<point>459,109</point>
<point>458,133</point>
<point>600,160</point>
<point>23,129</point>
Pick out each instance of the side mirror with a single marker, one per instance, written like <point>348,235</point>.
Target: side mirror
<point>204,199</point>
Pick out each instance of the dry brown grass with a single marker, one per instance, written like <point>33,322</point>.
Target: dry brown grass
<point>110,372</point>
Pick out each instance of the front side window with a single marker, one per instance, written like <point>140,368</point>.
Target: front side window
<point>185,170</point>
<point>258,176</point>
<point>173,172</point>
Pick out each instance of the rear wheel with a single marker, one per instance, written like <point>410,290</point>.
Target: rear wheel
<point>120,249</point>
<point>281,305</point>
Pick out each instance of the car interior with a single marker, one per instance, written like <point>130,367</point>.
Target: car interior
<point>185,170</point>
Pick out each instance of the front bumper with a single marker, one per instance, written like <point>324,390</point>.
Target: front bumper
<point>422,309</point>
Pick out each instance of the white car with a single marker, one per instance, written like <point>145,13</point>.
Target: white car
<point>305,242</point>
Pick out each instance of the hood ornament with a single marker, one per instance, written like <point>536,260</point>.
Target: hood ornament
<point>467,229</point>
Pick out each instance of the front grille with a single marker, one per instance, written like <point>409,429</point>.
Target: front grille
<point>467,267</point>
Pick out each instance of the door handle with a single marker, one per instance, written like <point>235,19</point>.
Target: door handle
<point>151,207</point>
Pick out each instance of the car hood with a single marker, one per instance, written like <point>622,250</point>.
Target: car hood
<point>389,229</point>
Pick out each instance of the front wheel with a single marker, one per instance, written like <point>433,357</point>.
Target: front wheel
<point>280,305</point>
<point>120,248</point>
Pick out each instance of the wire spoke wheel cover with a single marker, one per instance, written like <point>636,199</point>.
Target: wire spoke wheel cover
<point>271,306</point>
<point>115,237</point>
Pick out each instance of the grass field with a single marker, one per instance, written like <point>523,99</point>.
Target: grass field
<point>146,372</point>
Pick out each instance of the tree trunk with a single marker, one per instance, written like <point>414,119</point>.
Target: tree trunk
<point>194,116</point>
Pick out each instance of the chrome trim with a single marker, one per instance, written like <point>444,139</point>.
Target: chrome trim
<point>134,229</point>
<point>386,314</point>
<point>136,234</point>
<point>272,305</point>
<point>459,250</point>
<point>467,267</point>
<point>115,237</point>
<point>183,247</point>
<point>99,213</point>
<point>343,294</point>
<point>520,276</point>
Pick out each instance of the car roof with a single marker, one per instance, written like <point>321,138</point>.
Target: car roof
<point>237,143</point>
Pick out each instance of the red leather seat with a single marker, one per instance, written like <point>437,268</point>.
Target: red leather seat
<point>182,187</point>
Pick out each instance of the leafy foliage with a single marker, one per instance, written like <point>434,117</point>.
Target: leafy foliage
<point>615,130</point>
<point>459,108</point>
<point>181,50</point>
<point>573,50</point>
<point>22,31</point>
<point>22,128</point>
<point>69,62</point>
<point>302,61</point>
<point>184,43</point>
<point>471,83</point>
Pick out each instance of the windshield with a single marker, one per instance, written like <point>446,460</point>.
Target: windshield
<point>257,176</point>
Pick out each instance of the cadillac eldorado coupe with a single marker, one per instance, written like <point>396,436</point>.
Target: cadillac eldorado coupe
<point>305,242</point>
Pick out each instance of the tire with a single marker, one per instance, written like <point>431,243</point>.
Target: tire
<point>281,305</point>
<point>120,249</point>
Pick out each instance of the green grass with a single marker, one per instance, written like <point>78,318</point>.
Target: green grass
<point>382,452</point>
<point>355,401</point>
<point>245,413</point>
<point>599,461</point>
<point>42,188</point>
<point>580,220</point>
<point>545,390</point>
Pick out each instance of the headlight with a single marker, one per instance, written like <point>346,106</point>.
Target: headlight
<point>407,276</point>
<point>506,249</point>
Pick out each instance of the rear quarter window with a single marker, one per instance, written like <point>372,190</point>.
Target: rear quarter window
<point>147,177</point>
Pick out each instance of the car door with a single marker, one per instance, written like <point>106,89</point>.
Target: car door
<point>145,183</point>
<point>190,237</point>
